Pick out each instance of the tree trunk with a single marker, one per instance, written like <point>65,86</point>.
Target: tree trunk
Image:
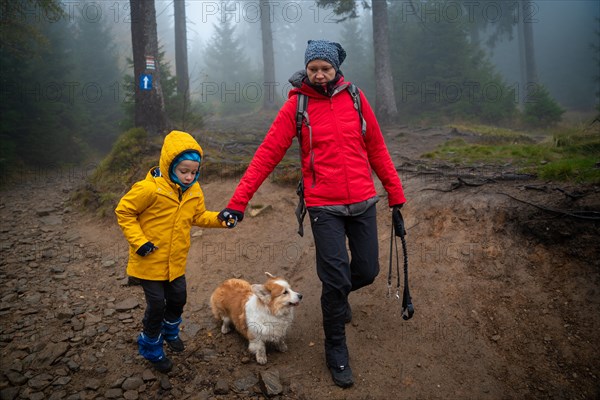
<point>530,69</point>
<point>526,53</point>
<point>149,102</point>
<point>385,101</point>
<point>268,56</point>
<point>181,54</point>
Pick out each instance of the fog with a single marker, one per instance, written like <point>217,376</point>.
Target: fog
<point>68,85</point>
<point>564,33</point>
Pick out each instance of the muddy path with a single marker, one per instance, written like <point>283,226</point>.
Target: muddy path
<point>506,297</point>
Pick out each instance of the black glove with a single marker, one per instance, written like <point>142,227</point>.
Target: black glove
<point>146,249</point>
<point>398,221</point>
<point>230,217</point>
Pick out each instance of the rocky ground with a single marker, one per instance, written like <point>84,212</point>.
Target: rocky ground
<point>506,296</point>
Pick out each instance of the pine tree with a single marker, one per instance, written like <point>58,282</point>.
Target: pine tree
<point>445,75</point>
<point>228,70</point>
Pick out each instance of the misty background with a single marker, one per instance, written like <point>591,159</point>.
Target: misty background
<point>67,78</point>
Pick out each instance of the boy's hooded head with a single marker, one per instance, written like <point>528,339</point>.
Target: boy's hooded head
<point>177,147</point>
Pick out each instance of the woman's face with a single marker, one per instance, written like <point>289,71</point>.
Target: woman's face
<point>320,72</point>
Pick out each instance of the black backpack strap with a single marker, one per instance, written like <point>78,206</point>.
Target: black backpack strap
<point>355,93</point>
<point>300,114</point>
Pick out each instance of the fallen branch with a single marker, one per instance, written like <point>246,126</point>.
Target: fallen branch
<point>587,215</point>
<point>574,195</point>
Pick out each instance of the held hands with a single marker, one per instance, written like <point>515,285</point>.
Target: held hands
<point>229,218</point>
<point>398,221</point>
<point>146,249</point>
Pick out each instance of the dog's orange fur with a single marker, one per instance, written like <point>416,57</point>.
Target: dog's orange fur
<point>229,299</point>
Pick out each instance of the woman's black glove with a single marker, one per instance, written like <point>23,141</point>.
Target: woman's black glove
<point>398,221</point>
<point>230,217</point>
<point>146,249</point>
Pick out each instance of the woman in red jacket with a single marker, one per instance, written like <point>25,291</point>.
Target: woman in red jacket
<point>338,159</point>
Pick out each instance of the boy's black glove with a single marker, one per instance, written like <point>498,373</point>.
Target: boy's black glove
<point>398,221</point>
<point>146,249</point>
<point>230,217</point>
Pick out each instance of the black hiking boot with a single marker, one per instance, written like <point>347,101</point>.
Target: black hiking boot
<point>163,365</point>
<point>176,345</point>
<point>342,376</point>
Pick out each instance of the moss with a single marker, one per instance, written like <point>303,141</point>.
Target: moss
<point>572,155</point>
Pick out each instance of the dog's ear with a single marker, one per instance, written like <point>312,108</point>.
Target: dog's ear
<point>262,292</point>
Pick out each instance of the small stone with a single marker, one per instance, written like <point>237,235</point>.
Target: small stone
<point>113,393</point>
<point>16,378</point>
<point>495,338</point>
<point>131,395</point>
<point>221,387</point>
<point>58,395</point>
<point>127,304</point>
<point>256,211</point>
<point>245,383</point>
<point>44,212</point>
<point>51,353</point>
<point>208,354</point>
<point>10,393</point>
<point>62,381</point>
<point>132,383</point>
<point>165,384</point>
<point>57,269</point>
<point>148,375</point>
<point>93,384</point>
<point>270,383</point>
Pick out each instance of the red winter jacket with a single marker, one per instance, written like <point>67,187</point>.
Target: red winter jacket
<point>337,166</point>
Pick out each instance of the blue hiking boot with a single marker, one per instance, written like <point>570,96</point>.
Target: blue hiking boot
<point>152,350</point>
<point>171,332</point>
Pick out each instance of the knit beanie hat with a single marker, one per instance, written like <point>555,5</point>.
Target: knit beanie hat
<point>325,50</point>
<point>191,155</point>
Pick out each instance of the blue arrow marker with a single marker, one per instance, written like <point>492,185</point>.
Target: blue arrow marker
<point>146,82</point>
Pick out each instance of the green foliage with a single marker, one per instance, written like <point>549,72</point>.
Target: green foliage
<point>540,108</point>
<point>343,8</point>
<point>125,154</point>
<point>56,104</point>
<point>443,76</point>
<point>18,35</point>
<point>40,118</point>
<point>571,155</point>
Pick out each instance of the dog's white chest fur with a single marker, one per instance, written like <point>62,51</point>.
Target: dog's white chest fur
<point>265,326</point>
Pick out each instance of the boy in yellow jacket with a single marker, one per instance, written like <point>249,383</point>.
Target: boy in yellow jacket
<point>156,216</point>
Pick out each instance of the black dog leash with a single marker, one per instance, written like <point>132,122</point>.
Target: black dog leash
<point>398,230</point>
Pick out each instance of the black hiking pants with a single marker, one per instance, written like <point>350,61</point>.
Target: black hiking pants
<point>164,301</point>
<point>340,274</point>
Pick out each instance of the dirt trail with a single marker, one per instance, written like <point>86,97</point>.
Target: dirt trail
<point>505,309</point>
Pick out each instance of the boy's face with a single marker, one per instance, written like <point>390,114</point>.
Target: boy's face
<point>320,72</point>
<point>186,171</point>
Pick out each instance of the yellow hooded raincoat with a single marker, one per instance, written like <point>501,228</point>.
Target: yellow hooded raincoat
<point>156,210</point>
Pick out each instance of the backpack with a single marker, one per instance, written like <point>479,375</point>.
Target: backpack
<point>302,117</point>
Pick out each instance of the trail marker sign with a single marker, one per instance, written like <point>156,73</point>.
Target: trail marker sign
<point>146,81</point>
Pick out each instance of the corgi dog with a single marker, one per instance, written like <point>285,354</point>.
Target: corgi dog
<point>262,313</point>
